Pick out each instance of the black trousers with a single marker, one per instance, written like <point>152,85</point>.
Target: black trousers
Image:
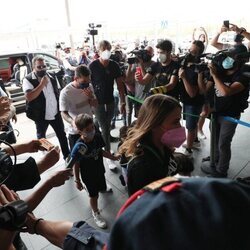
<point>58,126</point>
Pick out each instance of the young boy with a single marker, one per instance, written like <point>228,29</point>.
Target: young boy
<point>91,167</point>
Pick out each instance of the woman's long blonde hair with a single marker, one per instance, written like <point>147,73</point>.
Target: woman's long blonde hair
<point>152,113</point>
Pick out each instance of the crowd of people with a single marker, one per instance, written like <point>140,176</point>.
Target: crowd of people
<point>153,97</point>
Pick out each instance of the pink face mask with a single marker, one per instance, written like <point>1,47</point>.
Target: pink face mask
<point>174,137</point>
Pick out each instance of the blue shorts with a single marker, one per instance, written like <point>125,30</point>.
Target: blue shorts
<point>82,236</point>
<point>192,119</point>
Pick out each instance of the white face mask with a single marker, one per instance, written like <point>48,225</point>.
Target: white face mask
<point>105,55</point>
<point>162,58</point>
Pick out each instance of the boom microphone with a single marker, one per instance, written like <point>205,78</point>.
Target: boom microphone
<point>77,152</point>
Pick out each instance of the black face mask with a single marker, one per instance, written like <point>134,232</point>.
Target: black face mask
<point>41,73</point>
<point>83,85</point>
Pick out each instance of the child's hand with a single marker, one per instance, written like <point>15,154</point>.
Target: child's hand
<point>116,157</point>
<point>79,185</point>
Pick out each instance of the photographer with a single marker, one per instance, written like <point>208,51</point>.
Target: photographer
<point>190,93</point>
<point>230,99</point>
<point>144,61</point>
<point>162,73</point>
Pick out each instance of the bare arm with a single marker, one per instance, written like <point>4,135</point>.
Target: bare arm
<point>191,89</point>
<point>225,90</point>
<point>67,117</point>
<point>201,83</point>
<point>241,31</point>
<point>34,93</point>
<point>56,180</point>
<point>54,231</point>
<point>121,89</point>
<point>172,83</point>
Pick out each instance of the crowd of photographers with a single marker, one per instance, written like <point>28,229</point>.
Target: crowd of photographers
<point>217,81</point>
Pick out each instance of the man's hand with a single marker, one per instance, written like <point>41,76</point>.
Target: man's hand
<point>33,146</point>
<point>181,73</point>
<point>79,185</point>
<point>44,81</point>
<point>212,69</point>
<point>235,28</point>
<point>88,92</point>
<point>7,196</point>
<point>59,178</point>
<point>49,160</point>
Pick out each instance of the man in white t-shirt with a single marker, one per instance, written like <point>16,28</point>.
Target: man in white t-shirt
<point>77,98</point>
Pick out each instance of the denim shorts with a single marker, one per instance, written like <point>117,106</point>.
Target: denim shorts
<point>84,237</point>
<point>192,119</point>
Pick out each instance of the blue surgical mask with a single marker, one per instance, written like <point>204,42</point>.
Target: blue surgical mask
<point>228,63</point>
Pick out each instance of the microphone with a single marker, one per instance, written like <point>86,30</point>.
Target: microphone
<point>77,152</point>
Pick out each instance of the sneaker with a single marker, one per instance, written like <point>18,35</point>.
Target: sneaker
<point>99,221</point>
<point>201,135</point>
<point>111,164</point>
<point>108,189</point>
<point>188,152</point>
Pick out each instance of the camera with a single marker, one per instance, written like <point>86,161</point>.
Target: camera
<point>13,215</point>
<point>139,54</point>
<point>197,64</point>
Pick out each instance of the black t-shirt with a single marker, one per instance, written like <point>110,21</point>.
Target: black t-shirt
<point>91,164</point>
<point>102,79</point>
<point>150,166</point>
<point>192,78</point>
<point>232,105</point>
<point>163,75</point>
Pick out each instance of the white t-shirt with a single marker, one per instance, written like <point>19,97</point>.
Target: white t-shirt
<point>75,102</point>
<point>48,91</point>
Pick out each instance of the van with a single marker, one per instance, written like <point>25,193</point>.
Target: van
<point>12,73</point>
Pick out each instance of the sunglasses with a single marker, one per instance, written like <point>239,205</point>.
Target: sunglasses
<point>41,66</point>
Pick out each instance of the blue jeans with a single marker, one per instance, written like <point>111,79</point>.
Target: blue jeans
<point>104,114</point>
<point>58,126</point>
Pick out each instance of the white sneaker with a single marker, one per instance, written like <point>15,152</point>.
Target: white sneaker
<point>111,164</point>
<point>201,135</point>
<point>99,221</point>
<point>108,189</point>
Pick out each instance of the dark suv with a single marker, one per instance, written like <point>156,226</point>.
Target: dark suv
<point>12,74</point>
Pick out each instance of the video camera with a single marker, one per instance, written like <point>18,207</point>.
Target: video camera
<point>195,63</point>
<point>138,54</point>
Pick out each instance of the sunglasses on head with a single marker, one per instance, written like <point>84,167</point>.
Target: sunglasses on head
<point>41,66</point>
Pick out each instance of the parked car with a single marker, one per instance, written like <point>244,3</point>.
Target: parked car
<point>12,74</point>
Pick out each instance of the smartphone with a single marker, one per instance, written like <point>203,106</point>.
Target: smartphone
<point>139,72</point>
<point>226,23</point>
